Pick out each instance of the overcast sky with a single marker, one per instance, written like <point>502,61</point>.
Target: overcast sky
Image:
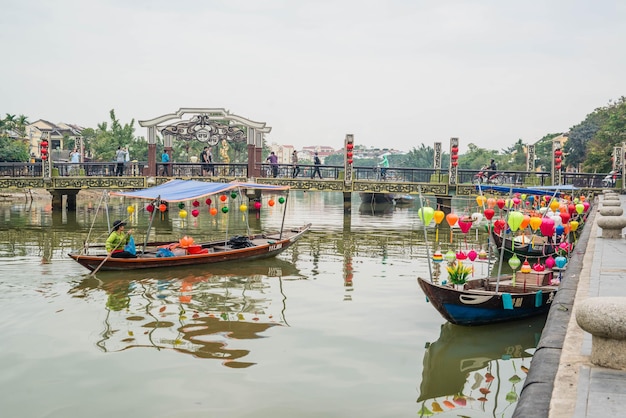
<point>395,73</point>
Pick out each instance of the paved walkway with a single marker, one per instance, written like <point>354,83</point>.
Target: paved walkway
<point>562,382</point>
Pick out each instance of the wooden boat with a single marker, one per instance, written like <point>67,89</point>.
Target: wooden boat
<point>367,197</point>
<point>404,199</point>
<point>260,246</point>
<point>153,255</point>
<point>488,300</point>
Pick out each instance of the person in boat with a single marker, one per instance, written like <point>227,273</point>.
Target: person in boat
<point>117,241</point>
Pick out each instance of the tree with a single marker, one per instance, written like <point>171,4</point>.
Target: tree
<point>106,141</point>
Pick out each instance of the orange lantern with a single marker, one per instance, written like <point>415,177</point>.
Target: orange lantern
<point>223,198</point>
<point>213,211</point>
<point>438,215</point>
<point>525,222</point>
<point>162,207</point>
<point>491,203</point>
<point>271,202</point>
<point>452,219</point>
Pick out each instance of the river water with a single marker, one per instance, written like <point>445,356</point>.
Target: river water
<point>336,326</point>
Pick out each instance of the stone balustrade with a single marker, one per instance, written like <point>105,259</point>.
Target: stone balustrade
<point>605,319</point>
<point>611,222</point>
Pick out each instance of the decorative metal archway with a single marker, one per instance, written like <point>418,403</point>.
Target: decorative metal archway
<point>208,125</point>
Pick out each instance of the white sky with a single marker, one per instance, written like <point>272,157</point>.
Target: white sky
<point>395,73</point>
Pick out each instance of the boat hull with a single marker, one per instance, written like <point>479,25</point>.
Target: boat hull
<point>266,246</point>
<point>481,307</point>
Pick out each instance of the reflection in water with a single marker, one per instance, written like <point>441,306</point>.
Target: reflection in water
<point>376,208</point>
<point>477,368</point>
<point>191,312</point>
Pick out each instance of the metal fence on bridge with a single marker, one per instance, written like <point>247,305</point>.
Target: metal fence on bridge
<point>376,174</point>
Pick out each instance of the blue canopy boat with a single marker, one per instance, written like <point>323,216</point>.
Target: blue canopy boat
<point>251,247</point>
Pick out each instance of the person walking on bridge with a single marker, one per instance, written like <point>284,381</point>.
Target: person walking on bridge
<point>317,162</point>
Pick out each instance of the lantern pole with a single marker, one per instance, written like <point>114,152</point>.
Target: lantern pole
<point>157,203</point>
<point>430,270</point>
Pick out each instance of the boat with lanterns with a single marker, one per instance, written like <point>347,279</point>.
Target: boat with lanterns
<point>464,300</point>
<point>185,251</point>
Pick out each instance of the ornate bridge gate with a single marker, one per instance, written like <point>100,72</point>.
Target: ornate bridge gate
<point>212,126</point>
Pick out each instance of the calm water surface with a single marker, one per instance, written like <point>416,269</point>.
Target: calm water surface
<point>336,326</point>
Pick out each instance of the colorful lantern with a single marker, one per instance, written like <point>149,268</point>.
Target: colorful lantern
<point>472,255</point>
<point>547,227</point>
<point>437,257</point>
<point>438,216</point>
<point>271,202</point>
<point>257,205</point>
<point>580,208</point>
<point>208,202</point>
<point>223,198</point>
<point>573,225</point>
<point>500,203</point>
<point>550,263</point>
<point>538,267</point>
<point>451,219</point>
<point>525,267</point>
<point>130,209</point>
<point>181,205</point>
<point>525,222</point>
<point>515,220</point>
<point>560,261</point>
<point>426,214</point>
<point>480,200</point>
<point>150,208</point>
<point>450,256</point>
<point>243,208</point>
<point>465,224</point>
<point>182,213</point>
<point>213,211</point>
<point>233,195</point>
<point>195,213</point>
<point>281,200</point>
<point>162,207</point>
<point>195,203</point>
<point>186,241</point>
<point>489,213</point>
<point>491,203</point>
<point>225,209</point>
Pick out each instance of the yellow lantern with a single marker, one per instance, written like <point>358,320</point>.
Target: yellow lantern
<point>573,226</point>
<point>182,213</point>
<point>130,210</point>
<point>481,200</point>
<point>554,205</point>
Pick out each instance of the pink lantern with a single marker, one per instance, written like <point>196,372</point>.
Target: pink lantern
<point>465,224</point>
<point>565,216</point>
<point>538,267</point>
<point>461,256</point>
<point>257,205</point>
<point>547,227</point>
<point>550,263</point>
<point>586,205</point>
<point>195,213</point>
<point>500,203</point>
<point>472,255</point>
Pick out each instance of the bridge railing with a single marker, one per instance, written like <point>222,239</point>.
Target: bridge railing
<point>396,174</point>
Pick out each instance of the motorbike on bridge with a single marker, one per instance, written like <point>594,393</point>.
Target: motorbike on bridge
<point>483,177</point>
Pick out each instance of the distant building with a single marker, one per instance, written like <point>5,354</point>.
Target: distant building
<point>56,134</point>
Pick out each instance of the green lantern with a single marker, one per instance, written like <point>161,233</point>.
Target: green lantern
<point>233,195</point>
<point>281,200</point>
<point>514,262</point>
<point>225,209</point>
<point>426,215</point>
<point>181,205</point>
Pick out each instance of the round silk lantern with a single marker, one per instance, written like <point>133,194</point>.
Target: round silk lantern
<point>559,229</point>
<point>233,195</point>
<point>525,267</point>
<point>489,213</point>
<point>426,214</point>
<point>450,256</point>
<point>472,255</point>
<point>195,203</point>
<point>225,209</point>
<point>547,227</point>
<point>438,216</point>
<point>281,200</point>
<point>213,211</point>
<point>437,257</point>
<point>243,208</point>
<point>130,210</point>
<point>477,217</point>
<point>150,208</point>
<point>480,200</point>
<point>573,225</point>
<point>550,262</point>
<point>564,217</point>
<point>491,203</point>
<point>465,224</point>
<point>271,202</point>
<point>516,201</point>
<point>508,203</point>
<point>580,208</point>
<point>451,219</point>
<point>208,202</point>
<point>531,199</point>
<point>535,222</point>
<point>482,254</point>
<point>554,205</point>
<point>560,261</point>
<point>500,203</point>
<point>181,205</point>
<point>514,262</point>
<point>223,198</point>
<point>257,205</point>
<point>499,225</point>
<point>586,206</point>
<point>525,222</point>
<point>523,196</point>
<point>461,256</point>
<point>162,207</point>
<point>182,213</point>
<point>515,220</point>
<point>186,241</point>
<point>557,220</point>
<point>195,213</point>
<point>538,267</point>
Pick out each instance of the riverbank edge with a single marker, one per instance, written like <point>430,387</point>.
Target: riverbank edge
<point>536,394</point>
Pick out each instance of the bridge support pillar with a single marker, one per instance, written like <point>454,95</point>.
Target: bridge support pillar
<point>444,204</point>
<point>57,200</point>
<point>347,202</point>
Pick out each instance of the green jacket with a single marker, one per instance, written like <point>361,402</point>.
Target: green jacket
<point>117,240</point>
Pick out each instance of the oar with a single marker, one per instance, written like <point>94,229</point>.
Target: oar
<point>105,260</point>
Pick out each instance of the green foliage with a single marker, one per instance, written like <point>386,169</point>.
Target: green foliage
<point>476,158</point>
<point>104,143</point>
<point>611,133</point>
<point>13,149</point>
